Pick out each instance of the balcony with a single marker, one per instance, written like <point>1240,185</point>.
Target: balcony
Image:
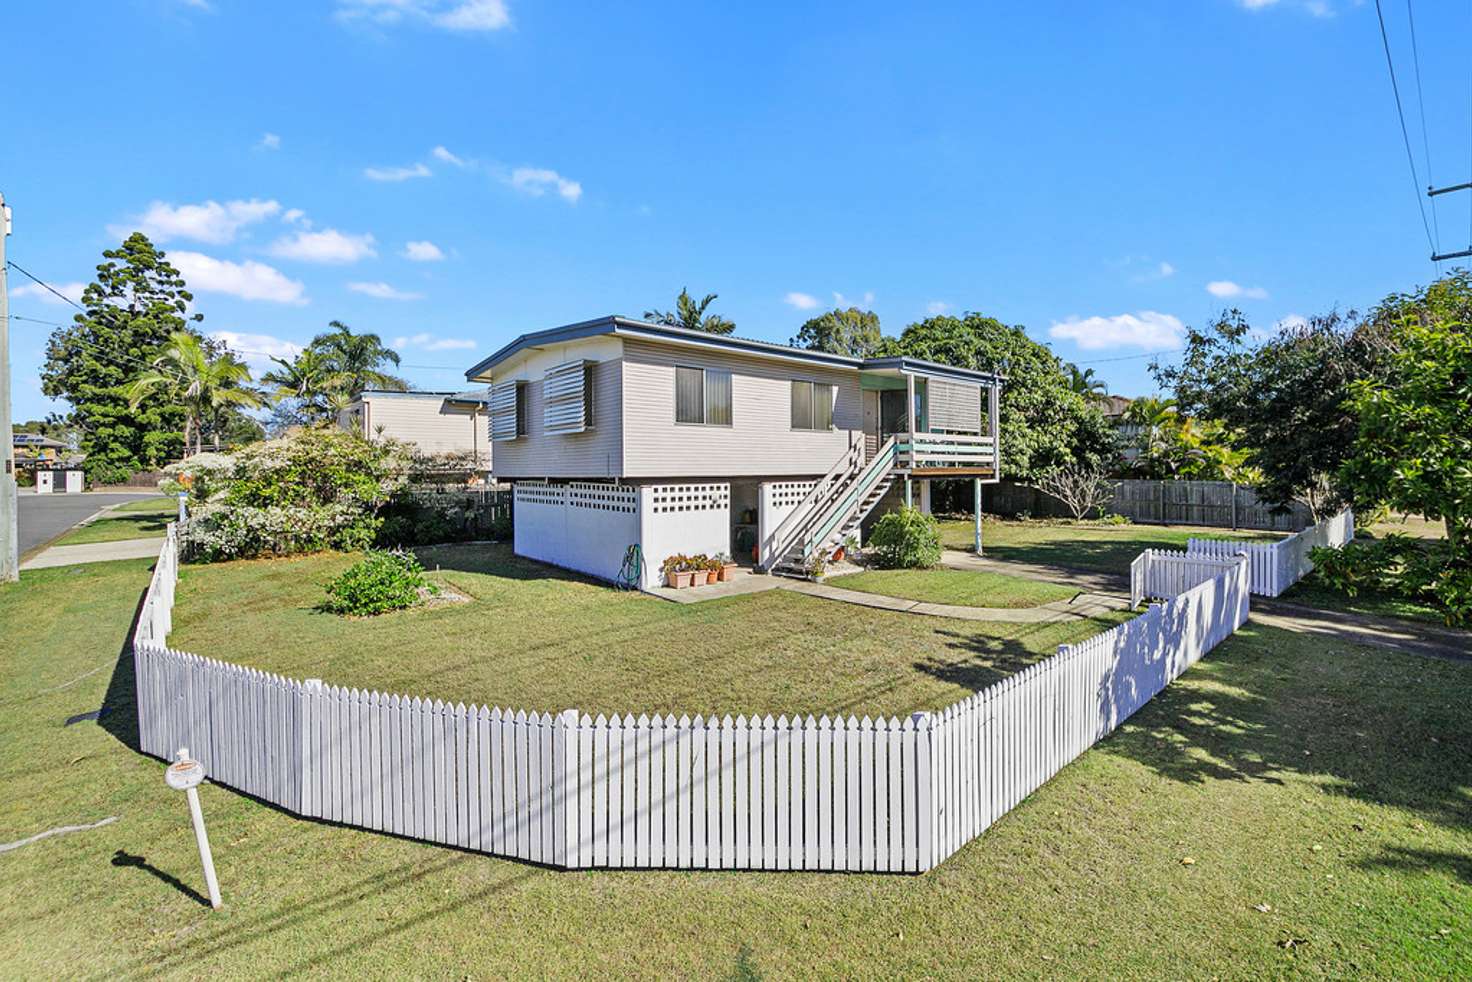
<point>942,455</point>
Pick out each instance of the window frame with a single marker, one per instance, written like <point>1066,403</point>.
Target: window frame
<point>705,413</point>
<point>813,388</point>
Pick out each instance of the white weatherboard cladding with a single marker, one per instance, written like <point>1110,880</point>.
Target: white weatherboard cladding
<point>753,792</point>
<point>953,406</point>
<point>760,442</point>
<point>563,398</point>
<point>580,526</point>
<point>595,452</point>
<point>778,500</point>
<point>682,518</point>
<point>421,421</point>
<point>503,411</point>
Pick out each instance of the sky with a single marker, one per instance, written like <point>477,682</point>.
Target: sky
<point>453,173</point>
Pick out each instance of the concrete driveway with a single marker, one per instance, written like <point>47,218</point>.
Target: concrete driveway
<point>43,517</point>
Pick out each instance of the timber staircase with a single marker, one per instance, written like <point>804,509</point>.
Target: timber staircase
<point>835,508</point>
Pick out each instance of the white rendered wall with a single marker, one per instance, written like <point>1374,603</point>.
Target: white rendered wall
<point>778,500</point>
<point>579,526</point>
<point>682,518</point>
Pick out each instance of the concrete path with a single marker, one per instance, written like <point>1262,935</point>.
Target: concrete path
<point>94,552</point>
<point>43,517</point>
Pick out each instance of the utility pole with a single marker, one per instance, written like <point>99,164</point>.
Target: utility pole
<point>9,536</point>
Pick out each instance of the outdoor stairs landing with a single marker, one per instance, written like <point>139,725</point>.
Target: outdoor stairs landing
<point>843,510</point>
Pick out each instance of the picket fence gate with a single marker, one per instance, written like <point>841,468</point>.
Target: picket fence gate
<point>1276,566</point>
<point>570,791</point>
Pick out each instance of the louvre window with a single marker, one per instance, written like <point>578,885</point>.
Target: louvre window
<point>812,406</point>
<point>508,410</point>
<point>703,396</point>
<point>567,398</point>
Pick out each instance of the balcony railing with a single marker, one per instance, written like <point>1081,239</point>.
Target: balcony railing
<point>947,451</point>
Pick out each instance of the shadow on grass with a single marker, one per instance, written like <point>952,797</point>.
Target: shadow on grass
<point>118,714</point>
<point>1380,728</point>
<point>494,559</point>
<point>123,859</point>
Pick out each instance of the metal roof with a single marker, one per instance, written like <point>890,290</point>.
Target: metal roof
<point>625,327</point>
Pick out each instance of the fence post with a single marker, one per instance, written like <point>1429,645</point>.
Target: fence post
<point>564,794</point>
<point>307,762</point>
<point>1234,506</point>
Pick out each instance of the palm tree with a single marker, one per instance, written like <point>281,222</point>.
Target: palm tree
<point>309,378</point>
<point>184,372</point>
<point>690,314</point>
<point>358,359</point>
<point>1085,382</point>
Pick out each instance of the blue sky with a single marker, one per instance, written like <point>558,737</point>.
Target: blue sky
<point>451,173</point>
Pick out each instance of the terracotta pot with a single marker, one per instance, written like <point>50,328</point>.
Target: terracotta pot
<point>679,580</point>
<point>838,554</point>
<point>728,571</point>
<point>710,576</point>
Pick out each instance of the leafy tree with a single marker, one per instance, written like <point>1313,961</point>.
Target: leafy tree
<point>137,303</point>
<point>1413,446</point>
<point>203,383</point>
<point>328,374</point>
<point>1284,400</point>
<point>1045,423</point>
<point>690,314</point>
<point>842,332</point>
<point>303,387</point>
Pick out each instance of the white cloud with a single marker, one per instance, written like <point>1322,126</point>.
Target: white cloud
<point>210,222</point>
<point>936,307</point>
<point>327,246</point>
<point>396,173</point>
<point>382,291</point>
<point>257,350</point>
<point>1226,289</point>
<point>1314,8</point>
<point>1164,270</point>
<point>440,153</point>
<point>39,292</point>
<point>839,300</point>
<point>270,141</point>
<point>1145,329</point>
<point>1291,321</point>
<point>802,301</point>
<point>428,342</point>
<point>294,216</point>
<point>249,280</point>
<point>537,181</point>
<point>423,252</point>
<point>464,16</point>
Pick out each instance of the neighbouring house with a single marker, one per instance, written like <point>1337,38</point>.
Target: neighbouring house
<point>616,432</point>
<point>434,423</point>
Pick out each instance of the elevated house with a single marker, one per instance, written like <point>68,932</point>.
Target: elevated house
<point>617,433</point>
<point>434,423</point>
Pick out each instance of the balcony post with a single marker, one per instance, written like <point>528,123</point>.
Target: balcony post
<point>976,490</point>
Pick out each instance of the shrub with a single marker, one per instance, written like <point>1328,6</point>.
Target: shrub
<point>905,539</point>
<point>380,582</point>
<point>1401,567</point>
<point>312,490</point>
<point>203,476</point>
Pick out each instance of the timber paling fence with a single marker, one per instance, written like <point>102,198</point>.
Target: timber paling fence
<point>1219,504</point>
<point>570,791</point>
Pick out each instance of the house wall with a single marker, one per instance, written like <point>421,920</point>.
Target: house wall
<point>692,519</point>
<point>421,421</point>
<point>579,526</point>
<point>595,452</point>
<point>760,441</point>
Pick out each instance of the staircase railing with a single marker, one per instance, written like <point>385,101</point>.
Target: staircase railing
<point>850,498</point>
<point>789,531</point>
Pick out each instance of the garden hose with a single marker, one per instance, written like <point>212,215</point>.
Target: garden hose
<point>631,573</point>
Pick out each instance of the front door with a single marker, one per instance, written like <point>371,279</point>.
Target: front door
<point>892,416</point>
<point>871,423</point>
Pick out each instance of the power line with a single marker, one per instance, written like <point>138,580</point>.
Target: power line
<point>1421,106</point>
<point>1404,133</point>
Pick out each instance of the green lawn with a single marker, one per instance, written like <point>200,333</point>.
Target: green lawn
<point>953,586</point>
<point>537,638</point>
<point>143,519</point>
<point>1097,548</point>
<point>1313,594</point>
<point>1323,782</point>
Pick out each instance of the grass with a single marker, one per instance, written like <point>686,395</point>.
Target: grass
<point>1275,745</point>
<point>1314,594</point>
<point>965,588</point>
<point>144,519</point>
<point>1094,548</point>
<point>537,638</point>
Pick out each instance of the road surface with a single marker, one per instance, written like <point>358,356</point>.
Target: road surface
<point>45,516</point>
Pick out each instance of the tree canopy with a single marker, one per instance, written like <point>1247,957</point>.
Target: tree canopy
<point>842,332</point>
<point>1283,400</point>
<point>690,314</point>
<point>1045,424</point>
<point>205,383</point>
<point>136,304</point>
<point>328,374</point>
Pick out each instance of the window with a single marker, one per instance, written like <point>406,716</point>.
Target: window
<point>812,406</point>
<point>703,396</point>
<point>523,414</point>
<point>589,377</point>
<point>508,415</point>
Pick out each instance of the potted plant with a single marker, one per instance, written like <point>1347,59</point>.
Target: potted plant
<point>849,547</point>
<point>707,569</point>
<point>816,566</point>
<point>727,567</point>
<point>676,571</point>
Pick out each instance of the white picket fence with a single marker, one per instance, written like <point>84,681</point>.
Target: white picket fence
<point>572,791</point>
<point>1163,573</point>
<point>1276,566</point>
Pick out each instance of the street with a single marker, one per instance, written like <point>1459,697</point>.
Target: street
<point>42,517</point>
